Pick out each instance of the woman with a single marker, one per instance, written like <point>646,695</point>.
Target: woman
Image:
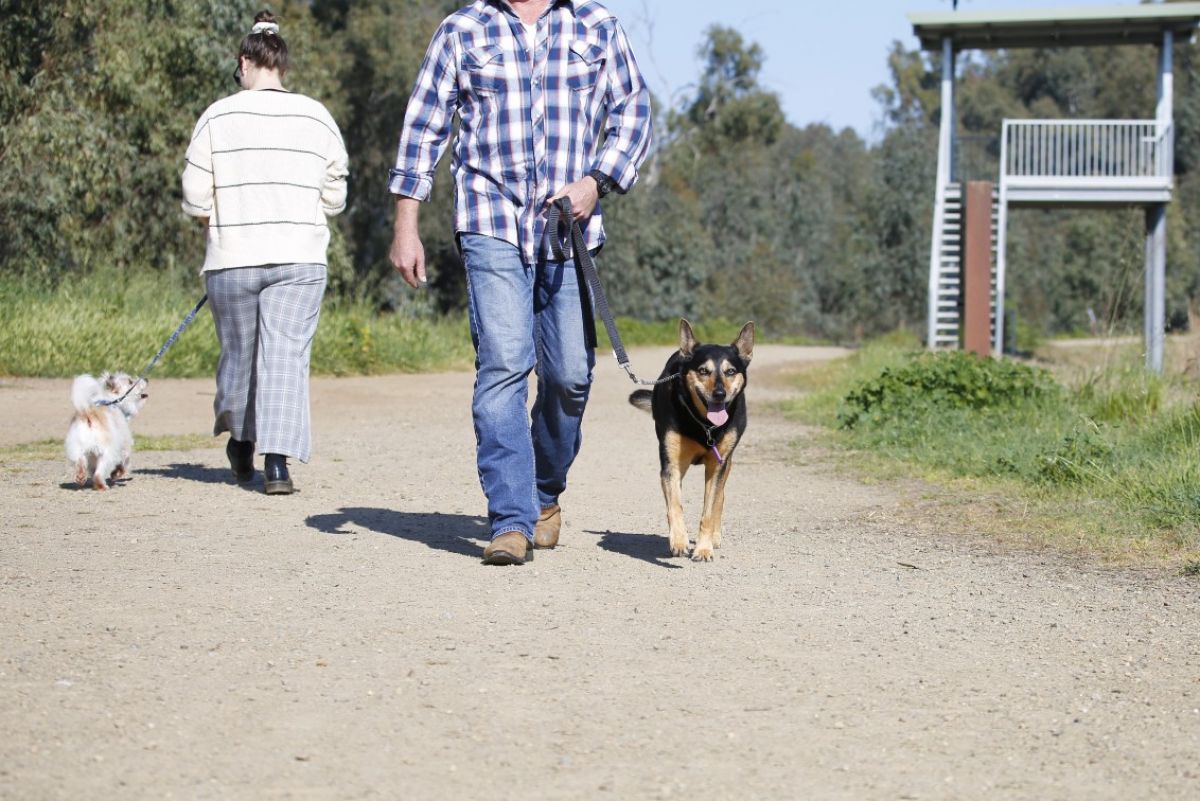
<point>265,168</point>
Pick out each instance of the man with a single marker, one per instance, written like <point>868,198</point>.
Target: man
<point>550,104</point>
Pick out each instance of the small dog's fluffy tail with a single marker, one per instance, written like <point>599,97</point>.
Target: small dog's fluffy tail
<point>642,399</point>
<point>85,392</point>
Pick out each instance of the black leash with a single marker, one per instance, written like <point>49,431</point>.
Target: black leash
<point>186,322</point>
<point>560,211</point>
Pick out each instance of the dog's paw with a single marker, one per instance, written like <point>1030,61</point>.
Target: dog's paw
<point>679,545</point>
<point>703,553</point>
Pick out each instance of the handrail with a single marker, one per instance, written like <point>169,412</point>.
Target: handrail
<point>1087,149</point>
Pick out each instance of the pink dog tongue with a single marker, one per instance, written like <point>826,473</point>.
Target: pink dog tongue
<point>717,414</point>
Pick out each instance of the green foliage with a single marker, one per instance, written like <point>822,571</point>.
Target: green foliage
<point>933,382</point>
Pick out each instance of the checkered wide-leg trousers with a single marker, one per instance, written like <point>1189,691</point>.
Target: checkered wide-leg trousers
<point>266,318</point>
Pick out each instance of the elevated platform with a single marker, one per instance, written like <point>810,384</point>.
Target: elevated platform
<point>1083,26</point>
<point>1041,191</point>
<point>1066,162</point>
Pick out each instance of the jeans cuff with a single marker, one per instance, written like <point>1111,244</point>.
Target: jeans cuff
<point>528,535</point>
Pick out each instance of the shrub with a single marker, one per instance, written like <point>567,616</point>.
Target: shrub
<point>945,380</point>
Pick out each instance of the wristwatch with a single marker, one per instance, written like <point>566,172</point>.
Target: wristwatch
<point>604,184</point>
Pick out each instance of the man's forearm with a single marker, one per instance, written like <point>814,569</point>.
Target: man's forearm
<point>408,212</point>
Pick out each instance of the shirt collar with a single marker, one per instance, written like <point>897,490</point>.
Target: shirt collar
<point>504,5</point>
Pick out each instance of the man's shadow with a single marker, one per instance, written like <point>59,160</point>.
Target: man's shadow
<point>652,548</point>
<point>460,534</point>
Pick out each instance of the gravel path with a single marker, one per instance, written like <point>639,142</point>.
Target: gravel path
<point>179,637</point>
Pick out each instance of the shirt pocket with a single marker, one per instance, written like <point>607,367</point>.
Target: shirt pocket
<point>584,62</point>
<point>484,68</point>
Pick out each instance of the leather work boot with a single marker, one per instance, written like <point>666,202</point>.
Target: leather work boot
<point>545,533</point>
<point>510,548</point>
<point>275,470</point>
<point>241,459</point>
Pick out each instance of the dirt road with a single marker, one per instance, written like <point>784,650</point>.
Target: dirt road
<point>179,637</point>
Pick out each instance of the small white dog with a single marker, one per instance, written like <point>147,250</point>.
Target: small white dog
<point>99,441</point>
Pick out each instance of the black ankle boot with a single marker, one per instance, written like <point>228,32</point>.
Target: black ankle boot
<point>278,480</point>
<point>241,459</point>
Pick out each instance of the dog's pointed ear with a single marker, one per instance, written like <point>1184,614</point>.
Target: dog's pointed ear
<point>108,381</point>
<point>687,340</point>
<point>745,342</point>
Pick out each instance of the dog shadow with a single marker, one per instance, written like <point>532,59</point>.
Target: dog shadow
<point>646,547</point>
<point>199,473</point>
<point>458,534</point>
<point>87,485</point>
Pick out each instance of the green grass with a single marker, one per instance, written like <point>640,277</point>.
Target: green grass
<point>118,320</point>
<point>1107,460</point>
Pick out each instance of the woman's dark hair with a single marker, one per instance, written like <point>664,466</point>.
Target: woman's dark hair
<point>266,50</point>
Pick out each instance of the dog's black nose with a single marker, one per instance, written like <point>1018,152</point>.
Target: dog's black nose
<point>719,395</point>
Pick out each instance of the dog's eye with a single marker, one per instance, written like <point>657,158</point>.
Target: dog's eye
<point>704,371</point>
<point>730,372</point>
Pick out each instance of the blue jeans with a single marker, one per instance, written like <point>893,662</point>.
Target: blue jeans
<point>524,316</point>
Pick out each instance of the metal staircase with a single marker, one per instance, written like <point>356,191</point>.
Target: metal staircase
<point>948,311</point>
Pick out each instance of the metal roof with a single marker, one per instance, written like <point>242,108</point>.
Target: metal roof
<point>1062,27</point>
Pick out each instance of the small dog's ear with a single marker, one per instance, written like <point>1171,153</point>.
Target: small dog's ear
<point>109,381</point>
<point>687,340</point>
<point>745,342</point>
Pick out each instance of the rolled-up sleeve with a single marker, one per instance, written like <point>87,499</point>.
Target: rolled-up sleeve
<point>428,120</point>
<point>197,178</point>
<point>629,128</point>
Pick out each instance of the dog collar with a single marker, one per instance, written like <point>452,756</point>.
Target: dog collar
<point>708,429</point>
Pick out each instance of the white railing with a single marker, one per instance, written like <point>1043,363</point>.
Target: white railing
<point>1087,149</point>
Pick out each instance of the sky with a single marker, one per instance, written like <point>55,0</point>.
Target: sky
<point>822,58</point>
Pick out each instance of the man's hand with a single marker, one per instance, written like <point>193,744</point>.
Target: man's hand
<point>583,195</point>
<point>407,254</point>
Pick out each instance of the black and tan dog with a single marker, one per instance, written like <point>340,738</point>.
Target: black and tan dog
<point>699,416</point>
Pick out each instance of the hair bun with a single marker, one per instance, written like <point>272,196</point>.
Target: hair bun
<point>265,16</point>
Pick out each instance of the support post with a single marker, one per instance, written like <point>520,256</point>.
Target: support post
<point>1155,300</point>
<point>977,268</point>
<point>1156,296</point>
<point>1164,113</point>
<point>945,142</point>
<point>1001,244</point>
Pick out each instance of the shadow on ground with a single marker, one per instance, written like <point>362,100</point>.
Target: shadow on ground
<point>199,473</point>
<point>652,548</point>
<point>458,534</point>
<point>87,485</point>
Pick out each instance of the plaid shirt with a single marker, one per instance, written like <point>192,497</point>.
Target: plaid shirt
<point>529,122</point>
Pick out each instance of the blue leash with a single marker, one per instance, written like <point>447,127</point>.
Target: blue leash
<point>186,322</point>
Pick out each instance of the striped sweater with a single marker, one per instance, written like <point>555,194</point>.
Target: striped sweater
<point>266,168</point>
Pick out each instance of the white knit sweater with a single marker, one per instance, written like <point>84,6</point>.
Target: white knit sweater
<point>266,168</point>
